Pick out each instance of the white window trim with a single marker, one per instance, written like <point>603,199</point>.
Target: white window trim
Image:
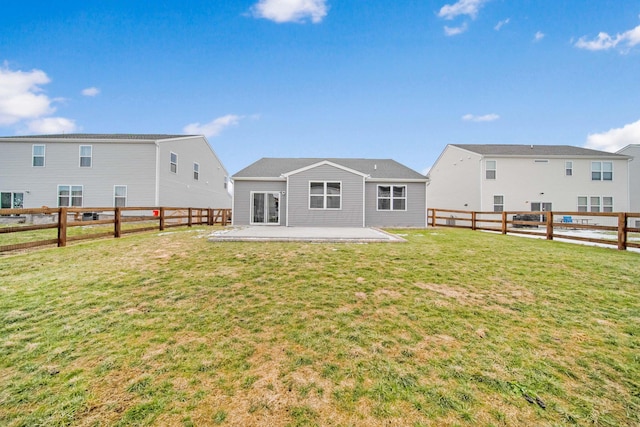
<point>171,162</point>
<point>486,169</point>
<point>196,171</point>
<point>494,202</point>
<point>251,193</point>
<point>70,205</point>
<point>325,195</point>
<point>126,194</point>
<point>568,166</point>
<point>44,155</point>
<point>80,156</point>
<point>391,198</point>
<point>601,163</point>
<point>601,205</point>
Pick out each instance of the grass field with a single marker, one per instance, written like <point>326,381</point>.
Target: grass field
<point>452,328</point>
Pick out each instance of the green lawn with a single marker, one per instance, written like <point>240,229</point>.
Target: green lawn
<point>454,327</point>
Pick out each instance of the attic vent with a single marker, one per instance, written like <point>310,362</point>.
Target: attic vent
<point>375,167</point>
<point>541,161</point>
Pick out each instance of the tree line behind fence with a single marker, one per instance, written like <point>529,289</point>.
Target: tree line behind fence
<point>27,228</point>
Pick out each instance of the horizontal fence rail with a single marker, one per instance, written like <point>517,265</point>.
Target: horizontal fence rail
<point>620,229</point>
<point>23,228</point>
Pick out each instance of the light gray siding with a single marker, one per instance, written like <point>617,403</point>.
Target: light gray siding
<point>180,188</point>
<point>131,164</point>
<point>455,180</point>
<point>414,216</point>
<point>351,213</point>
<point>242,208</point>
<point>634,176</point>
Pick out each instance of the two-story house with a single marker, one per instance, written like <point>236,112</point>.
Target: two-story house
<point>105,170</point>
<point>633,150</point>
<point>529,178</point>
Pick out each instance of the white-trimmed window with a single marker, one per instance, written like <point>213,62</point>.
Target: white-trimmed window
<point>491,169</point>
<point>602,171</point>
<point>226,182</point>
<point>568,168</point>
<point>37,154</point>
<point>325,195</point>
<point>173,162</point>
<point>392,197</point>
<point>498,203</point>
<point>119,196</point>
<point>595,204</point>
<point>196,171</point>
<point>70,196</point>
<point>86,152</point>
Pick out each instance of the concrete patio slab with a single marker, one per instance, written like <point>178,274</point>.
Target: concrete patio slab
<point>305,234</point>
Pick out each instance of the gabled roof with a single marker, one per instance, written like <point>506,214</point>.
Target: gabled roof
<point>375,168</point>
<point>97,136</point>
<point>518,150</point>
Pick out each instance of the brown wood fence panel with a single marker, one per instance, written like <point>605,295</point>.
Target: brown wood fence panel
<point>64,219</point>
<point>548,224</point>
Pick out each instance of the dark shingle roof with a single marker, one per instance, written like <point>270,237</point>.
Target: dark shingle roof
<point>376,168</point>
<point>534,150</point>
<point>101,136</point>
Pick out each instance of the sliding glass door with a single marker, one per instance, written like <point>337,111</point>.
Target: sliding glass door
<point>265,208</point>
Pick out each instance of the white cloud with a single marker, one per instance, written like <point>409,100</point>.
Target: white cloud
<point>290,10</point>
<point>604,41</point>
<point>90,91</point>
<point>539,35</point>
<point>454,31</point>
<point>485,118</point>
<point>501,24</point>
<point>214,127</point>
<point>462,7</point>
<point>21,97</point>
<point>51,125</point>
<point>615,139</point>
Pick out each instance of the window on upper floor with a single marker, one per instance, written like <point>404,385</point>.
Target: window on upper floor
<point>498,203</point>
<point>70,196</point>
<point>568,168</point>
<point>491,169</point>
<point>119,196</point>
<point>196,171</point>
<point>392,197</point>
<point>173,163</point>
<point>86,152</point>
<point>325,195</point>
<point>37,154</point>
<point>602,171</point>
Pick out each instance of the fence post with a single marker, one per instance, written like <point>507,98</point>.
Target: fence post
<point>433,217</point>
<point>189,220</point>
<point>62,227</point>
<point>504,222</point>
<point>117,222</point>
<point>622,231</point>
<point>161,213</point>
<point>473,220</point>
<point>210,216</point>
<point>549,225</point>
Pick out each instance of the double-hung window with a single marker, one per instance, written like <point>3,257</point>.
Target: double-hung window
<point>37,154</point>
<point>491,169</point>
<point>196,171</point>
<point>498,203</point>
<point>595,204</point>
<point>173,163</point>
<point>325,195</point>
<point>602,171</point>
<point>86,152</point>
<point>392,197</point>
<point>568,168</point>
<point>119,196</point>
<point>69,196</point>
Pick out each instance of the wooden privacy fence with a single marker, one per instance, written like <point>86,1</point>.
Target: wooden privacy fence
<point>22,228</point>
<point>621,229</point>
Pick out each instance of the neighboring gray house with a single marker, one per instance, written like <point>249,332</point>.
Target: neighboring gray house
<point>323,192</point>
<point>529,178</point>
<point>98,170</point>
<point>633,150</point>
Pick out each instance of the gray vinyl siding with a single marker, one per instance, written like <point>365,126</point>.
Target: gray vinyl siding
<point>180,189</point>
<point>414,216</point>
<point>131,164</point>
<point>351,213</point>
<point>242,199</point>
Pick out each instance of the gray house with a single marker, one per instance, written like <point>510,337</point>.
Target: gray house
<point>305,192</point>
<point>98,170</point>
<point>633,151</point>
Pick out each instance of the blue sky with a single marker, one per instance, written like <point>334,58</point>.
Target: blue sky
<point>326,78</point>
